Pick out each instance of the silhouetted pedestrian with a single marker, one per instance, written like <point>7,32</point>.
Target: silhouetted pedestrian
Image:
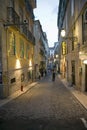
<point>53,75</point>
<point>45,72</point>
<point>39,75</point>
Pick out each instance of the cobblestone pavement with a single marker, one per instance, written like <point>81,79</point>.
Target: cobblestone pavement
<point>47,106</point>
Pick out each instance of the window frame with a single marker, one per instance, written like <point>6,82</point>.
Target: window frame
<point>21,48</point>
<point>84,27</point>
<point>12,43</point>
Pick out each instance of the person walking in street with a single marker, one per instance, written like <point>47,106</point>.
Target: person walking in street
<point>39,75</point>
<point>53,75</point>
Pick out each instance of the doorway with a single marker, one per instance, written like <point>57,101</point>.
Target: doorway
<point>73,72</point>
<point>86,78</point>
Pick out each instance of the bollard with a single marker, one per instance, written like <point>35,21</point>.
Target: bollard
<point>21,87</point>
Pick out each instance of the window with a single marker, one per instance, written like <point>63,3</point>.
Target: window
<point>12,3</point>
<point>27,51</point>
<point>73,72</point>
<point>21,14</point>
<point>72,7</point>
<point>12,43</point>
<point>85,16</point>
<point>21,48</point>
<point>13,80</point>
<point>84,27</point>
<point>73,34</point>
<point>0,77</point>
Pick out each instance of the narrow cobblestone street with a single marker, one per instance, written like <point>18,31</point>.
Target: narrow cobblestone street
<point>47,106</point>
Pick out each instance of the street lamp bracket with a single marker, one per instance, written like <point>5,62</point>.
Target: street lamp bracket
<point>72,38</point>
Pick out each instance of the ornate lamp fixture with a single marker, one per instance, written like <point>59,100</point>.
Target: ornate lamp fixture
<point>63,34</point>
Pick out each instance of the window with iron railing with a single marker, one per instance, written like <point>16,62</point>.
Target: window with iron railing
<point>21,48</point>
<point>27,51</point>
<point>73,42</point>
<point>21,14</point>
<point>12,43</point>
<point>11,3</point>
<point>84,27</point>
<point>29,8</point>
<point>72,7</point>
<point>12,17</point>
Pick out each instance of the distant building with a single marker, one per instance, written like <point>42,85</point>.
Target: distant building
<point>40,49</point>
<point>51,49</point>
<point>51,57</point>
<point>56,56</point>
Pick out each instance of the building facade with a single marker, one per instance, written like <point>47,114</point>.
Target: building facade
<point>41,49</point>
<point>72,17</point>
<point>56,56</point>
<point>51,58</point>
<point>16,45</point>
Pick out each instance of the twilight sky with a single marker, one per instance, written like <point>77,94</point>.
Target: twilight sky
<point>46,13</point>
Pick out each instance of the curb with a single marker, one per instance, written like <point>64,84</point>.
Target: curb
<point>80,96</point>
<point>16,94</point>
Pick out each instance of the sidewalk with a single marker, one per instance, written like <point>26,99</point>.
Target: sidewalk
<point>16,94</point>
<point>81,96</point>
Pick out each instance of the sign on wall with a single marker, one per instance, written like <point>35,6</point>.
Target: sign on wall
<point>63,48</point>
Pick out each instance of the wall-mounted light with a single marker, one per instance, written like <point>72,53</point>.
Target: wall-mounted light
<point>56,56</point>
<point>30,64</point>
<point>85,61</point>
<point>18,64</point>
<point>63,34</point>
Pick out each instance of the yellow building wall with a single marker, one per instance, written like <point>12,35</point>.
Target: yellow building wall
<point>12,59</point>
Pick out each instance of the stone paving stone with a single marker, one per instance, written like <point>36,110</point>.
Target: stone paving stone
<point>47,106</point>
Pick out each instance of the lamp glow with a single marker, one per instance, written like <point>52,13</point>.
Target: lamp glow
<point>18,65</point>
<point>30,65</point>
<point>85,61</point>
<point>63,33</point>
<point>56,56</point>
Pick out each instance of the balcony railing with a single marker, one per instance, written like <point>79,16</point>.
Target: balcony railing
<point>12,17</point>
<point>29,8</point>
<point>30,37</point>
<point>24,30</point>
<point>33,2</point>
<point>14,20</point>
<point>41,52</point>
<point>28,34</point>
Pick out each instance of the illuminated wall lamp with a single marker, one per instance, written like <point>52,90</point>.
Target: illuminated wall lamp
<point>63,34</point>
<point>85,61</point>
